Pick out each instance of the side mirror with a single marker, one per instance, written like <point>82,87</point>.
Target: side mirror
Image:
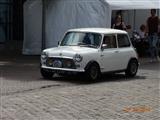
<point>104,46</point>
<point>58,42</point>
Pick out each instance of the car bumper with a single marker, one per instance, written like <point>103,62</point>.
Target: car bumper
<point>62,69</point>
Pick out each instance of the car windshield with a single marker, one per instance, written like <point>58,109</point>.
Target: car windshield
<point>82,39</point>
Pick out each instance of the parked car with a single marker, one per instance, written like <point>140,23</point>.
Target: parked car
<point>91,51</point>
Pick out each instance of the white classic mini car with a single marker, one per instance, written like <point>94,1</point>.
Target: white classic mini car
<point>91,51</point>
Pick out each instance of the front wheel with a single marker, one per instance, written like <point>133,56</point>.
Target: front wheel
<point>46,74</point>
<point>132,68</point>
<point>93,72</point>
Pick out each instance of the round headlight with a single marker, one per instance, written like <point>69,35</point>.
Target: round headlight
<point>78,58</point>
<point>44,55</point>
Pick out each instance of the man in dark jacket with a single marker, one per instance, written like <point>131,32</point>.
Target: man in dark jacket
<point>152,30</point>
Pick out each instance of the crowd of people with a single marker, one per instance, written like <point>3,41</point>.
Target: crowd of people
<point>148,39</point>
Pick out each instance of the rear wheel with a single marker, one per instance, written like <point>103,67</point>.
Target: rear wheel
<point>46,74</point>
<point>93,72</point>
<point>132,68</point>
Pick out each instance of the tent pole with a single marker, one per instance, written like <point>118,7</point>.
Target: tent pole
<point>134,19</point>
<point>43,25</point>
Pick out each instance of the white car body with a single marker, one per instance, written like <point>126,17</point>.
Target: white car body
<point>108,60</point>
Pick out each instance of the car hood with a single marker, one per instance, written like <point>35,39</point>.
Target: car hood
<point>69,51</point>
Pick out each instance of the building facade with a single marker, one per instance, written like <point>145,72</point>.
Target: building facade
<point>11,20</point>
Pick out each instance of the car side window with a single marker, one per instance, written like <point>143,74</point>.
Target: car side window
<point>110,41</point>
<point>123,40</point>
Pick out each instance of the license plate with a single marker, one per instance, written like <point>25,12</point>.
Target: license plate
<point>57,64</point>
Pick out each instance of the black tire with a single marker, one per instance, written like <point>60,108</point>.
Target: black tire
<point>132,68</point>
<point>93,72</point>
<point>46,74</point>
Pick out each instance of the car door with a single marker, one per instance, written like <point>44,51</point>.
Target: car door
<point>109,53</point>
<point>125,51</point>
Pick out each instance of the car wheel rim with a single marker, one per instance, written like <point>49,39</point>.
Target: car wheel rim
<point>93,72</point>
<point>133,68</point>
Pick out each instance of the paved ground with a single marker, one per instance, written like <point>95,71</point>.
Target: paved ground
<point>26,96</point>
<point>18,74</point>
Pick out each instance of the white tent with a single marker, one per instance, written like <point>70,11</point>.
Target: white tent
<point>32,27</point>
<point>133,4</point>
<point>61,15</point>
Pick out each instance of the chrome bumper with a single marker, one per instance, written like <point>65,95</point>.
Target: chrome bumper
<point>63,69</point>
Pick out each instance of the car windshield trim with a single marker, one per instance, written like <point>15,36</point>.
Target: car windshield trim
<point>80,39</point>
<point>87,45</point>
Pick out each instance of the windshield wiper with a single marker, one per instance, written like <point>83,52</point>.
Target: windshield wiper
<point>68,45</point>
<point>86,45</point>
<point>83,45</point>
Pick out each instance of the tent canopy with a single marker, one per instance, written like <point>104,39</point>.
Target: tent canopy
<point>61,15</point>
<point>133,4</point>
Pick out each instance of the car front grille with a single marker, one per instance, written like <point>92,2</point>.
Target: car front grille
<point>60,63</point>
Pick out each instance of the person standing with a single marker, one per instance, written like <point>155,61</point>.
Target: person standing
<point>152,31</point>
<point>119,24</point>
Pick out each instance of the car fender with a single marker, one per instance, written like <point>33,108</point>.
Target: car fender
<point>133,58</point>
<point>90,63</point>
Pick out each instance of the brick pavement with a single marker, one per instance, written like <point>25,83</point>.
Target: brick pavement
<point>105,100</point>
<point>118,98</point>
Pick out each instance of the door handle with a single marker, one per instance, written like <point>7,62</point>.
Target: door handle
<point>116,51</point>
<point>102,55</point>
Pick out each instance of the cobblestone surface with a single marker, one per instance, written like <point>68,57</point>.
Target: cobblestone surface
<point>23,74</point>
<point>103,101</point>
<point>112,98</point>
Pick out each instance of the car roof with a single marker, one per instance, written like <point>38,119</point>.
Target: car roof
<point>98,30</point>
